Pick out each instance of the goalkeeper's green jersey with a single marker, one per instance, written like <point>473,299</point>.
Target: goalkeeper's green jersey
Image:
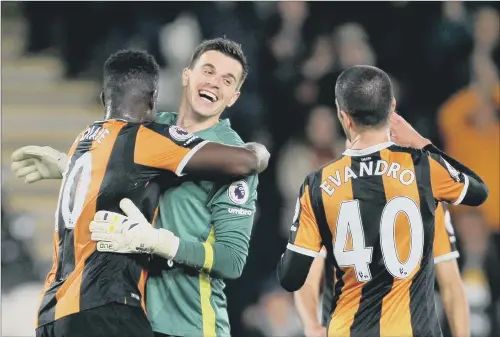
<point>213,222</point>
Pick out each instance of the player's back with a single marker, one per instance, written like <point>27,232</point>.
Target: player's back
<point>375,211</point>
<point>110,160</point>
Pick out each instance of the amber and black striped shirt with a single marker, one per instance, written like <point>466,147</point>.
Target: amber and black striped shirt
<point>373,210</point>
<point>108,161</point>
<point>445,249</point>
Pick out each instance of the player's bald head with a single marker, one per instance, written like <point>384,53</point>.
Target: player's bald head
<point>130,74</point>
<point>365,93</point>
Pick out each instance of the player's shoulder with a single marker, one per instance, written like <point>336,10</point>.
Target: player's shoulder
<point>166,117</point>
<point>409,150</point>
<point>161,128</point>
<point>318,173</point>
<point>223,133</point>
<point>419,156</point>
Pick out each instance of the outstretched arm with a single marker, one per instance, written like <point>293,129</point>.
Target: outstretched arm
<point>219,159</point>
<point>192,155</point>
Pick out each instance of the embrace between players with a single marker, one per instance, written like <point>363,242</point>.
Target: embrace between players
<point>107,234</point>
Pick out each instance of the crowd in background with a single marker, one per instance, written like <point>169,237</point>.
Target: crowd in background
<point>442,57</point>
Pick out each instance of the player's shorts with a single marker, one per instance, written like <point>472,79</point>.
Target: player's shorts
<point>110,320</point>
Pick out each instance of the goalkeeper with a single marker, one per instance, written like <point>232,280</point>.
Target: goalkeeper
<point>211,221</point>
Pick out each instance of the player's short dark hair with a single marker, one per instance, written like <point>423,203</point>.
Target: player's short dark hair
<point>225,46</point>
<point>365,93</point>
<point>131,72</point>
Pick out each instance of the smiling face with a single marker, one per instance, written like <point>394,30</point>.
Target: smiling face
<point>212,84</point>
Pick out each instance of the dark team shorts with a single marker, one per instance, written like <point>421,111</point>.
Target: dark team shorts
<point>110,320</point>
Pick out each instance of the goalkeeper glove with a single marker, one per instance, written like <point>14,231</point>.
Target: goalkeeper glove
<point>116,233</point>
<point>262,154</point>
<point>34,163</point>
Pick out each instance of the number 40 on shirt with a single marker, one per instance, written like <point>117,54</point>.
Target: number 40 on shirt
<point>360,256</point>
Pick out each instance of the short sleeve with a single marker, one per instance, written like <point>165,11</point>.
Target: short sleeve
<point>447,183</point>
<point>166,147</point>
<point>444,239</point>
<point>304,236</point>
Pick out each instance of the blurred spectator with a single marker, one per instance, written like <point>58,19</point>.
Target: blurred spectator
<point>18,262</point>
<point>298,158</point>
<point>470,126</point>
<point>469,123</point>
<point>486,30</point>
<point>448,50</point>
<point>351,45</point>
<point>274,314</point>
<point>288,35</point>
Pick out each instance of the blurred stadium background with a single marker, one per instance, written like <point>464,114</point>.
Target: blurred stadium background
<point>443,58</point>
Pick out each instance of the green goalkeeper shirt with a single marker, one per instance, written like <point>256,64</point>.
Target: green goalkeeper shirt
<point>214,223</point>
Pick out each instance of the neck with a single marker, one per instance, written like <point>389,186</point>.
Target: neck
<point>191,121</point>
<point>129,115</point>
<point>367,138</point>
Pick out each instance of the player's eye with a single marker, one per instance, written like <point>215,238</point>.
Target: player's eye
<point>228,82</point>
<point>209,72</point>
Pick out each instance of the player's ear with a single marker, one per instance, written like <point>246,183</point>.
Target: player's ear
<point>393,105</point>
<point>153,99</point>
<point>101,97</point>
<point>347,119</point>
<point>234,98</point>
<point>185,76</point>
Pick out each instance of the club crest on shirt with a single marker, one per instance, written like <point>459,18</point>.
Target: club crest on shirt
<point>178,133</point>
<point>238,192</point>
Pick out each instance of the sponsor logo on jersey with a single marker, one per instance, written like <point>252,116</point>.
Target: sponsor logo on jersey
<point>238,192</point>
<point>135,296</point>
<point>239,211</point>
<point>178,133</point>
<point>190,140</point>
<point>293,228</point>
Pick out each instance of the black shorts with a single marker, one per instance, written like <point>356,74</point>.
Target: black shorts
<point>110,320</point>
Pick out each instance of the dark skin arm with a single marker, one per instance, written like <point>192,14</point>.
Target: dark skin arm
<point>215,159</point>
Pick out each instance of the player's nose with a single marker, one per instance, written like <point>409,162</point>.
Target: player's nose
<point>212,82</point>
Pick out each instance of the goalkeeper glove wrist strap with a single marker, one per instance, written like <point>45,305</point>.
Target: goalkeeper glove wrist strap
<point>167,244</point>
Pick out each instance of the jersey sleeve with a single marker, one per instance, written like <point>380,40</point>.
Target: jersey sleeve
<point>444,238</point>
<point>166,147</point>
<point>304,236</point>
<point>447,183</point>
<point>233,213</point>
<point>452,181</point>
